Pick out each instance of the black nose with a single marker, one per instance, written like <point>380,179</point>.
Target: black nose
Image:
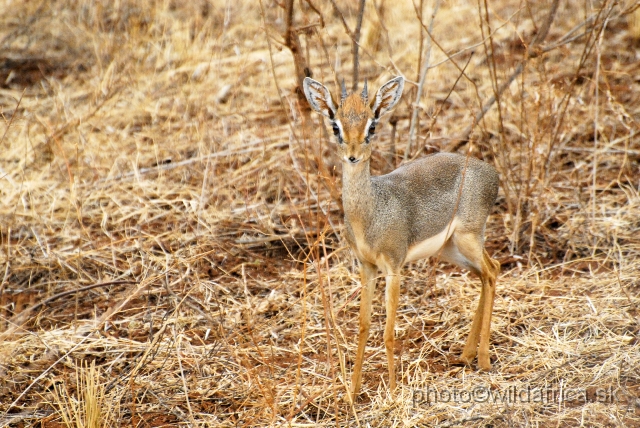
<point>352,159</point>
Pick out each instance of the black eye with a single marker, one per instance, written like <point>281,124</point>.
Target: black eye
<point>336,129</point>
<point>372,129</point>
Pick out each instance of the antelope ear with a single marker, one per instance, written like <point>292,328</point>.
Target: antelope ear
<point>388,96</point>
<point>319,97</point>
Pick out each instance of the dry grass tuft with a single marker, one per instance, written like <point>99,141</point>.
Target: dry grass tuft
<point>170,224</point>
<point>91,408</point>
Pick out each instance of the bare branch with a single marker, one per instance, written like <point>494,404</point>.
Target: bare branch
<point>344,22</point>
<point>15,111</point>
<point>533,51</point>
<point>316,10</point>
<point>356,45</point>
<point>292,41</point>
<point>423,77</point>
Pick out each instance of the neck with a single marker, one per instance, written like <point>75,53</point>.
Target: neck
<point>357,192</point>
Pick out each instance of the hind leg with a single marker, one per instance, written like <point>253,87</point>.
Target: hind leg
<point>467,250</point>
<point>471,347</point>
<point>490,271</point>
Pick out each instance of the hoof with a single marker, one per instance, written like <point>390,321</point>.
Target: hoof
<point>349,398</point>
<point>467,357</point>
<point>484,364</point>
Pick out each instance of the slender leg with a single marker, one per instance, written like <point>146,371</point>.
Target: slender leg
<point>471,347</point>
<point>466,249</point>
<point>490,270</point>
<point>392,294</point>
<point>368,279</point>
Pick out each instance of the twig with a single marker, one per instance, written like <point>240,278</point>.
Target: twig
<point>78,290</point>
<point>609,144</point>
<point>15,111</point>
<point>564,40</point>
<point>565,100</point>
<point>492,67</point>
<point>355,37</point>
<point>98,325</point>
<point>423,77</point>
<point>356,45</point>
<point>20,318</point>
<point>316,10</point>
<point>594,164</point>
<point>173,165</point>
<point>380,14</point>
<point>437,113</point>
<point>176,340</point>
<point>532,52</point>
<point>292,41</point>
<point>344,22</point>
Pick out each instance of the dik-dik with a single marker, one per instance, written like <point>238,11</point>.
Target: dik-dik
<point>439,203</point>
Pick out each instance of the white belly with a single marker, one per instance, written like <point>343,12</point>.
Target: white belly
<point>430,246</point>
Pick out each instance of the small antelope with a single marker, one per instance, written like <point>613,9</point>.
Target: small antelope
<point>439,203</point>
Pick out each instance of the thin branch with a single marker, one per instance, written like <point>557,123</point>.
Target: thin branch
<point>356,45</point>
<point>533,51</point>
<point>353,39</point>
<point>594,164</point>
<point>423,77</point>
<point>21,318</point>
<point>419,14</point>
<point>15,111</point>
<point>78,290</point>
<point>449,57</point>
<point>437,113</point>
<point>491,62</point>
<point>589,44</point>
<point>292,42</point>
<point>380,15</point>
<point>344,22</point>
<point>316,10</point>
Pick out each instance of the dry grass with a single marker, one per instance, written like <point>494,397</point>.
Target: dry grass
<point>90,408</point>
<point>166,218</point>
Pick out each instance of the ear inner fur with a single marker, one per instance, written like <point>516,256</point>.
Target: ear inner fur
<point>388,96</point>
<point>319,97</point>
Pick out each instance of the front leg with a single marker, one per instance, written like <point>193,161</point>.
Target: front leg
<point>391,300</point>
<point>368,273</point>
